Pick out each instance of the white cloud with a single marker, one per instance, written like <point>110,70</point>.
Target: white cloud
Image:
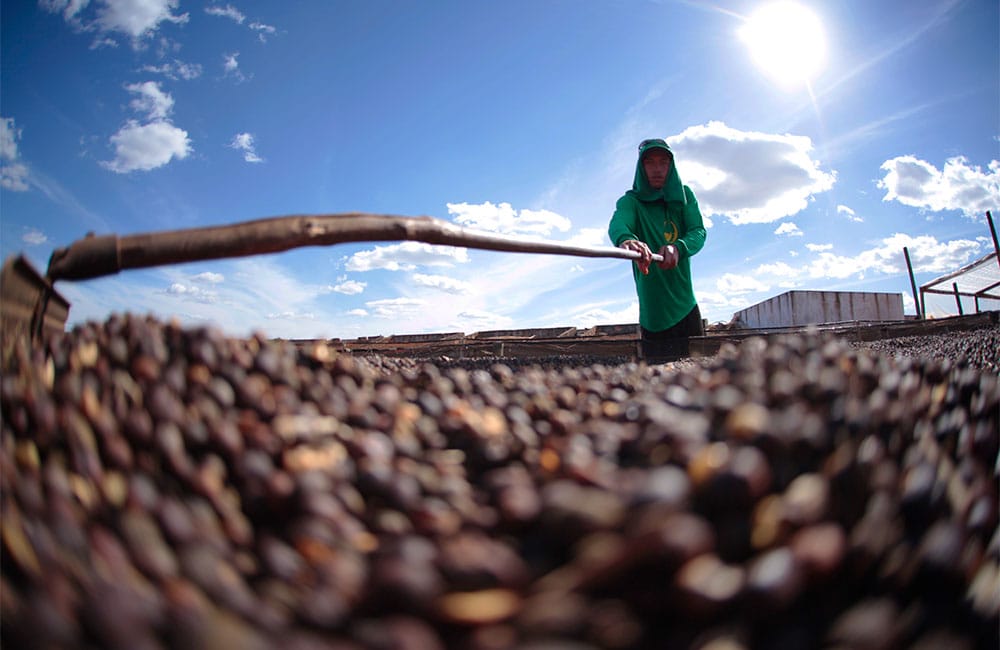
<point>958,186</point>
<point>103,41</point>
<point>777,270</point>
<point>348,287</point>
<point>441,283</point>
<point>927,254</point>
<point>13,173</point>
<point>142,147</point>
<point>395,307</point>
<point>176,70</point>
<point>68,8</point>
<point>151,100</point>
<point>263,31</point>
<point>849,213</point>
<point>210,277</point>
<point>190,292</point>
<point>230,62</point>
<point>505,219</point>
<point>406,256</point>
<point>733,284</point>
<point>34,237</point>
<point>292,316</point>
<point>166,46</point>
<point>816,248</point>
<point>590,316</point>
<point>748,176</point>
<point>9,135</point>
<point>789,229</point>
<point>231,66</point>
<point>137,19</point>
<point>705,177</point>
<point>229,11</point>
<point>473,320</point>
<point>245,142</point>
<point>357,312</point>
<point>710,301</point>
<point>828,265</point>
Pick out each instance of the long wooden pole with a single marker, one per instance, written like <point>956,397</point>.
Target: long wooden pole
<point>96,256</point>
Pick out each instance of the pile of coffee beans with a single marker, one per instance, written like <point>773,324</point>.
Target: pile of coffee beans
<point>979,348</point>
<point>164,487</point>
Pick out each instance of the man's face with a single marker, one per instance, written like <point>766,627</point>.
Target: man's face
<point>656,164</point>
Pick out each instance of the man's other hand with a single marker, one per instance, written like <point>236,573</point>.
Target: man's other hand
<point>670,257</point>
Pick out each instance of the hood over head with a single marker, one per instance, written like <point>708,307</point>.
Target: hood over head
<point>672,190</point>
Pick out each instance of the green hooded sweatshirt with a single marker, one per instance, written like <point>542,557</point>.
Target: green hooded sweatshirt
<point>660,217</point>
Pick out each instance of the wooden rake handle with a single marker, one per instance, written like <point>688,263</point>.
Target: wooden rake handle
<point>97,256</point>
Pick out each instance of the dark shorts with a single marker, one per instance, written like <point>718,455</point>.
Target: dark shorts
<point>672,344</point>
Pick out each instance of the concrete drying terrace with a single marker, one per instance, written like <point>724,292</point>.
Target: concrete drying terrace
<point>611,341</point>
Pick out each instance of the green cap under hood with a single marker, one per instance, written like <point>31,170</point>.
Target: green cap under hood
<point>672,190</point>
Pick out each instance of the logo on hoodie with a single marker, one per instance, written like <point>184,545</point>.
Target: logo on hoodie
<point>671,236</point>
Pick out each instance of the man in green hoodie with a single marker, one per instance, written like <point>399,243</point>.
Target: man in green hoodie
<point>660,213</point>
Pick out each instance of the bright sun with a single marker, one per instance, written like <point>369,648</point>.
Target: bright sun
<point>787,41</point>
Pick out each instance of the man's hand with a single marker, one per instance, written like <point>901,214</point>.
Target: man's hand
<point>645,255</point>
<point>670,257</point>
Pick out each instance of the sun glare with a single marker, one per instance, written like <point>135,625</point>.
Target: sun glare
<point>787,41</point>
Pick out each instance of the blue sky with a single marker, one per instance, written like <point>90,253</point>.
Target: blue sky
<point>520,117</point>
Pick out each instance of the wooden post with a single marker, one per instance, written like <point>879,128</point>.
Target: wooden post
<point>958,298</point>
<point>913,284</point>
<point>993,231</point>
